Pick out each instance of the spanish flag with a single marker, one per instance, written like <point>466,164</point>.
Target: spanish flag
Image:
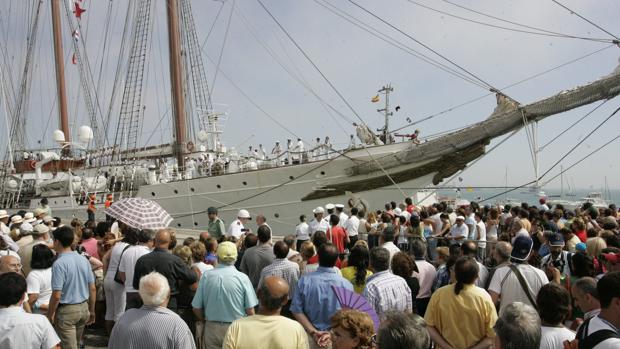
<point>375,99</point>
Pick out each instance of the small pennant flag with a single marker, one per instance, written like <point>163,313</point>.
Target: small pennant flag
<point>74,59</point>
<point>375,99</point>
<point>78,10</point>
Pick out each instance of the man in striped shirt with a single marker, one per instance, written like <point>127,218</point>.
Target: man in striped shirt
<point>287,270</point>
<point>384,290</point>
<point>152,326</point>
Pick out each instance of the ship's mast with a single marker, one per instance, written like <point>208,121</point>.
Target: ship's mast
<point>60,71</point>
<point>176,80</point>
<point>386,111</point>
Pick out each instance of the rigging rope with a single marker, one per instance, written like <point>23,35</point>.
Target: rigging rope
<point>544,33</point>
<point>219,59</point>
<point>587,20</point>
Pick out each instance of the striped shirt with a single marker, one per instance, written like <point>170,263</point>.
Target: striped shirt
<point>386,291</point>
<point>285,269</point>
<point>151,327</point>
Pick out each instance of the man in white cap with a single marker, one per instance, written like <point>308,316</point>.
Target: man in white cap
<point>25,231</point>
<point>237,227</point>
<point>343,216</point>
<point>459,231</point>
<point>5,232</point>
<point>40,235</point>
<point>330,209</point>
<point>318,223</point>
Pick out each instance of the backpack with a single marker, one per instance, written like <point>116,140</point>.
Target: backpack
<point>584,341</point>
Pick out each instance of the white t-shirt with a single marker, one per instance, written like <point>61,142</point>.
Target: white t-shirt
<point>202,266</point>
<point>302,231</point>
<point>506,284</point>
<point>438,223</point>
<point>597,324</point>
<point>40,281</point>
<point>352,226</point>
<point>554,337</point>
<point>115,256</point>
<point>457,231</point>
<point>482,230</point>
<point>483,274</point>
<point>128,264</point>
<point>343,219</point>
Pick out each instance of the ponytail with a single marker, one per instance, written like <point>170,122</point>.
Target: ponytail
<point>458,287</point>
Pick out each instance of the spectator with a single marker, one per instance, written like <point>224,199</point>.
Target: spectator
<point>89,243</point>
<point>211,250</point>
<point>256,258</point>
<point>585,296</point>
<point>39,279</point>
<point>468,248</point>
<point>518,326</point>
<point>505,285</point>
<point>19,329</point>
<point>462,315</point>
<point>553,307</point>
<point>558,258</point>
<point>501,257</point>
<point>135,327</point>
<point>115,299</point>
<point>224,295</point>
<point>73,284</point>
<point>166,264</point>
<point>127,266</point>
<point>608,319</point>
<point>386,240</point>
<point>459,231</point>
<point>401,330</point>
<point>404,266</point>
<point>307,252</point>
<point>444,262</point>
<point>267,327</point>
<point>40,235</point>
<point>352,227</point>
<point>384,290</point>
<point>198,256</point>
<point>426,275</point>
<point>293,254</point>
<point>357,268</point>
<point>10,263</point>
<point>285,269</point>
<point>336,234</point>
<point>314,301</point>
<point>302,231</point>
<point>351,329</point>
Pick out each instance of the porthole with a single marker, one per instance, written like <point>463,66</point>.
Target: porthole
<point>218,186</point>
<point>176,191</point>
<point>55,202</point>
<point>65,201</point>
<point>195,224</point>
<point>322,173</point>
<point>277,215</point>
<point>192,189</point>
<point>179,225</point>
<point>244,183</point>
<point>291,177</point>
<point>152,193</point>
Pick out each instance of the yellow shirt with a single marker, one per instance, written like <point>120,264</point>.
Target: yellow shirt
<point>349,274</point>
<point>464,319</point>
<point>261,331</point>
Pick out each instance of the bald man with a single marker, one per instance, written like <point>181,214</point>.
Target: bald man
<point>167,264</point>
<point>268,327</point>
<point>10,264</point>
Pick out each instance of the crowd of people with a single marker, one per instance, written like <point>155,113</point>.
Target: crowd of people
<point>445,277</point>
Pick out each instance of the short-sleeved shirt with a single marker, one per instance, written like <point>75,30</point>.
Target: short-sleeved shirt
<point>19,329</point>
<point>315,226</point>
<point>315,297</point>
<point>506,284</point>
<point>426,276</point>
<point>235,229</point>
<point>554,337</point>
<point>597,324</point>
<point>464,319</point>
<point>39,282</point>
<point>337,236</point>
<point>352,226</point>
<point>274,332</point>
<point>216,228</point>
<point>302,231</point>
<point>128,264</point>
<point>349,273</point>
<point>255,259</point>
<point>388,292</point>
<point>458,231</point>
<point>287,270</point>
<point>71,274</point>
<point>224,294</point>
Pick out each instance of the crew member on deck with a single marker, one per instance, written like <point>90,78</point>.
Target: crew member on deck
<point>91,207</point>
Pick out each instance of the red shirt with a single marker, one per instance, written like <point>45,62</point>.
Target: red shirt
<point>582,235</point>
<point>337,236</point>
<point>315,260</point>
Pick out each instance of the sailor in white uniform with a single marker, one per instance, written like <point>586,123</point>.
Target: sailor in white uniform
<point>288,151</point>
<point>237,228</point>
<point>330,210</point>
<point>343,216</point>
<point>298,151</point>
<point>327,147</point>
<point>316,151</point>
<point>262,153</point>
<point>318,223</point>
<point>276,151</point>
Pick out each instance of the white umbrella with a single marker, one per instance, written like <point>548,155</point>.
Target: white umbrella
<point>140,213</point>
<point>461,202</point>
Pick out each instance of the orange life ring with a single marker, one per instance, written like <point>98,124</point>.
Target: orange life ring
<point>33,164</point>
<point>190,146</point>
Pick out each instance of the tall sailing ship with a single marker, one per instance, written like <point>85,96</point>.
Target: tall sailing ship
<point>196,170</point>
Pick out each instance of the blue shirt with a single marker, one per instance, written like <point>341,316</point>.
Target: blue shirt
<point>315,298</point>
<point>72,275</point>
<point>224,294</point>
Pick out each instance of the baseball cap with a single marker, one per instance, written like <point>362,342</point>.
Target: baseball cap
<point>227,251</point>
<point>581,247</point>
<point>611,257</point>
<point>318,210</point>
<point>211,210</point>
<point>244,214</point>
<point>3,214</point>
<point>330,206</point>
<point>556,240</point>
<point>521,248</point>
<point>398,211</point>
